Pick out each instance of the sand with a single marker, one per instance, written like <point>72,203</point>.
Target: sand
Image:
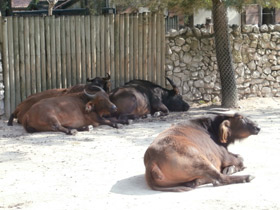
<point>103,168</point>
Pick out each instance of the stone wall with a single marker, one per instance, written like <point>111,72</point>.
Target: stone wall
<point>1,87</point>
<point>191,62</point>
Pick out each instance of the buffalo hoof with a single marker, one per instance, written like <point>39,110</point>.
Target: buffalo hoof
<point>249,178</point>
<point>216,183</point>
<point>157,114</point>
<point>119,125</point>
<point>72,132</point>
<point>229,170</point>
<point>115,125</point>
<point>149,116</point>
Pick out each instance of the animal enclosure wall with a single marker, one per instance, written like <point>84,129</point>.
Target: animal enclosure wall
<point>41,53</point>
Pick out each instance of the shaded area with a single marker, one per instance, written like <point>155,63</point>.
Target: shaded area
<point>135,185</point>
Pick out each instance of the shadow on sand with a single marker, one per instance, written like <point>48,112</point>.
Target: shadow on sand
<point>135,185</point>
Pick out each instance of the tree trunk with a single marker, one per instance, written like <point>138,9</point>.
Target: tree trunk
<point>223,54</point>
<point>50,10</point>
<point>51,6</point>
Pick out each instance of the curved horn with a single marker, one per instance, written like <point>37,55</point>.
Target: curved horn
<point>108,77</point>
<point>221,111</point>
<point>91,96</point>
<point>93,88</point>
<point>175,88</point>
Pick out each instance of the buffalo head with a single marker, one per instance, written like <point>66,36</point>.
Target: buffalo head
<point>235,126</point>
<point>99,102</point>
<point>101,82</point>
<point>173,100</point>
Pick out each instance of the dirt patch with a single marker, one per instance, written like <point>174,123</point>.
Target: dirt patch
<point>103,168</point>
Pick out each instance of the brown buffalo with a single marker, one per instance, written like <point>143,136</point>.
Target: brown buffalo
<point>195,153</point>
<point>69,113</point>
<point>25,105</point>
<point>138,98</point>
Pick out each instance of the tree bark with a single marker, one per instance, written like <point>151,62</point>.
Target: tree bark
<point>223,54</point>
<point>51,6</point>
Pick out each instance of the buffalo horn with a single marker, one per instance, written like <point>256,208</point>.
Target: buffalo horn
<point>222,111</point>
<point>92,96</point>
<point>175,88</point>
<point>108,77</point>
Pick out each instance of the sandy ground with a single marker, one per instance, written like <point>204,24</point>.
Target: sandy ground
<point>103,168</point>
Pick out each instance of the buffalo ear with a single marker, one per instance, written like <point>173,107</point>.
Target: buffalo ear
<point>89,107</point>
<point>224,131</point>
<point>176,91</point>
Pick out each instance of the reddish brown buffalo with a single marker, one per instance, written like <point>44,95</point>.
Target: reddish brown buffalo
<point>25,105</point>
<point>70,112</point>
<point>195,153</point>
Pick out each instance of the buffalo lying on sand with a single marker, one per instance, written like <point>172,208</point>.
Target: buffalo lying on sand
<point>138,98</point>
<point>194,153</point>
<point>70,113</point>
<point>25,105</point>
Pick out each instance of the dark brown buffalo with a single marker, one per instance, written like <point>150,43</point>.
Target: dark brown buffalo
<point>138,98</point>
<point>24,106</point>
<point>101,82</point>
<point>195,153</point>
<point>97,81</point>
<point>70,112</point>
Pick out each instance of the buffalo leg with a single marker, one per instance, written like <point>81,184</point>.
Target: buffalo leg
<point>11,119</point>
<point>115,120</point>
<point>197,182</point>
<point>157,105</point>
<point>126,117</point>
<point>225,180</point>
<point>221,180</point>
<point>59,127</point>
<point>209,174</point>
<point>84,128</point>
<point>229,170</point>
<point>232,164</point>
<point>217,179</point>
<point>103,121</point>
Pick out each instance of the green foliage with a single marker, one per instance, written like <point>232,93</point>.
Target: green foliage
<point>189,6</point>
<point>153,5</point>
<point>5,7</point>
<point>95,7</point>
<point>33,5</point>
